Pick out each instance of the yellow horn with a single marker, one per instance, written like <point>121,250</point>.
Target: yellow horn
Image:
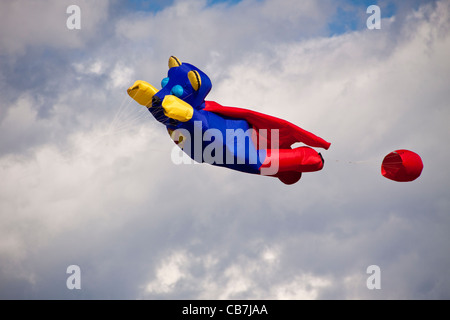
<point>194,78</point>
<point>174,62</point>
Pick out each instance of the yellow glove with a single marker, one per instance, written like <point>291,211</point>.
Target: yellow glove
<point>142,92</point>
<point>177,109</point>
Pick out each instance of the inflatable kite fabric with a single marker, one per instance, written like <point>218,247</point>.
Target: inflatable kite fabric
<point>402,165</point>
<point>235,138</point>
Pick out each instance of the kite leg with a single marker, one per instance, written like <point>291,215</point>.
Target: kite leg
<point>302,159</point>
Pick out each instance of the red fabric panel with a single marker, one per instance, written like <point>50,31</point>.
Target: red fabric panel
<point>402,165</point>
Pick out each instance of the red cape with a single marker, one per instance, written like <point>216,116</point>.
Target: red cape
<point>288,132</point>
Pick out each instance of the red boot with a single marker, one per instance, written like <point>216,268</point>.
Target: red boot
<point>302,159</point>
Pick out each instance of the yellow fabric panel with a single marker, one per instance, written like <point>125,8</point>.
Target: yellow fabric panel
<point>142,92</point>
<point>177,109</point>
<point>174,62</point>
<point>195,79</point>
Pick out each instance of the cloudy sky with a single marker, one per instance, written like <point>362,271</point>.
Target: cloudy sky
<point>87,178</point>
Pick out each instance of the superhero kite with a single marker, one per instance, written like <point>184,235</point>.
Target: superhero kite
<point>235,138</point>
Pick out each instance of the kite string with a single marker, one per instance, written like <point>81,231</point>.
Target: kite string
<point>367,162</point>
<point>125,119</point>
<point>357,162</point>
<point>68,149</point>
<point>120,111</point>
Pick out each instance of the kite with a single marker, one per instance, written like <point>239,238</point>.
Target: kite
<point>235,138</point>
<point>402,166</point>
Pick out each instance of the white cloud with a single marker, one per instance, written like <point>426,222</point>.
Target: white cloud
<point>196,32</point>
<point>96,68</point>
<point>57,190</point>
<point>177,272</point>
<point>305,287</point>
<point>121,76</point>
<point>168,274</point>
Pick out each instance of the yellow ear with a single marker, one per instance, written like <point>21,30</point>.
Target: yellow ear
<point>194,78</point>
<point>174,62</point>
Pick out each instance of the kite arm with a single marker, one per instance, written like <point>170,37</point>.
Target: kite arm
<point>177,109</point>
<point>142,92</point>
